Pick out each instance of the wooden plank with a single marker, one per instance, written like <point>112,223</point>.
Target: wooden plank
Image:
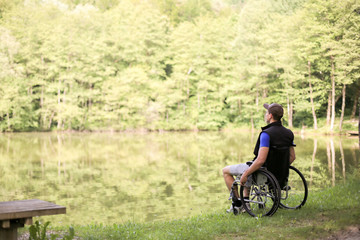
<point>26,221</point>
<point>5,224</point>
<point>8,234</point>
<point>28,209</point>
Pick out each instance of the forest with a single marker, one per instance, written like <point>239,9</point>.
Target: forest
<point>100,65</point>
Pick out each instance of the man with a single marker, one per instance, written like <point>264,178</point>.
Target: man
<point>272,135</point>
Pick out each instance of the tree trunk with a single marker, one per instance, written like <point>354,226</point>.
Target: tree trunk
<point>265,93</point>
<point>188,83</point>
<point>353,112</point>
<point>252,123</point>
<point>337,99</point>
<point>311,97</point>
<point>342,107</point>
<point>68,117</point>
<point>59,110</point>
<point>257,86</point>
<point>8,121</point>
<point>328,111</point>
<point>289,107</point>
<point>42,118</point>
<point>291,114</point>
<point>42,123</point>
<point>50,120</point>
<point>332,94</point>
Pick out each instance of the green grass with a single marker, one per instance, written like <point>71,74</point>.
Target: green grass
<point>325,212</point>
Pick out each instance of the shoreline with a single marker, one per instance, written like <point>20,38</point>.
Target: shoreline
<point>328,213</point>
<point>346,133</point>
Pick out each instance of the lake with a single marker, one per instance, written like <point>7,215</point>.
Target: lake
<point>142,177</point>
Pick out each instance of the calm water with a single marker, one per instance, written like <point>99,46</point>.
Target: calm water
<point>116,178</point>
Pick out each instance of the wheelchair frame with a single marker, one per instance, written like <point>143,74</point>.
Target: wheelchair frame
<point>265,195</point>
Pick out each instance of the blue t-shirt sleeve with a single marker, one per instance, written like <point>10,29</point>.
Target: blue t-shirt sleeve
<point>264,140</point>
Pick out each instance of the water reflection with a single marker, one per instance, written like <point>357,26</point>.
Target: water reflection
<point>115,178</point>
<point>313,161</point>
<point>338,159</point>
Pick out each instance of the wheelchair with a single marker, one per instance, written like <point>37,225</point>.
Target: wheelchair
<point>267,194</point>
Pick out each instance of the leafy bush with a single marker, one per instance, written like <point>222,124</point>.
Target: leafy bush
<point>38,232</point>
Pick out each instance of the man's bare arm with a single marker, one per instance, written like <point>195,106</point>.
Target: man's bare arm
<point>259,161</point>
<point>292,155</point>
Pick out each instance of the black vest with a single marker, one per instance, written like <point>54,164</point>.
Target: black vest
<point>277,161</point>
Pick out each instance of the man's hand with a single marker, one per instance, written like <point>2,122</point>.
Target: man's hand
<point>243,180</point>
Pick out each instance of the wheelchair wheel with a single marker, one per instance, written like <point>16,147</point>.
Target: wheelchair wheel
<point>294,194</point>
<point>264,194</point>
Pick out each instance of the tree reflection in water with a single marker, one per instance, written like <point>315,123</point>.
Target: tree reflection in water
<point>120,177</point>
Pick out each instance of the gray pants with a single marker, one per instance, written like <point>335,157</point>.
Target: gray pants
<point>238,170</point>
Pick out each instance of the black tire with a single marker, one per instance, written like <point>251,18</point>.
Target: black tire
<point>294,195</point>
<point>264,196</point>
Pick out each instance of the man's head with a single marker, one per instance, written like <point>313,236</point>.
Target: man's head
<point>275,109</point>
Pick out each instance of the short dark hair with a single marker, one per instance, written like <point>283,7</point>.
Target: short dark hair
<point>276,110</point>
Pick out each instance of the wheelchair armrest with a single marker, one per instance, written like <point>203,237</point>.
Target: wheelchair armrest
<point>249,163</point>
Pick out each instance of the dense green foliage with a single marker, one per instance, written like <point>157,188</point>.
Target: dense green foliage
<point>38,231</point>
<point>166,64</point>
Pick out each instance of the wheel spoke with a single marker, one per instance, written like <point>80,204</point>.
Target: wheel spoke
<point>258,203</point>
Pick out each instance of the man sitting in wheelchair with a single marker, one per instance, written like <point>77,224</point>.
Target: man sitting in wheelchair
<point>271,140</point>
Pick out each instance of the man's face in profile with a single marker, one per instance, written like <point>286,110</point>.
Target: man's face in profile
<point>267,117</point>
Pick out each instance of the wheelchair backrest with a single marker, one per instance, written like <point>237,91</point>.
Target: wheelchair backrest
<point>278,163</point>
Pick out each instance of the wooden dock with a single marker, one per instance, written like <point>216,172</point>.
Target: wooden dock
<point>353,133</point>
<point>16,214</point>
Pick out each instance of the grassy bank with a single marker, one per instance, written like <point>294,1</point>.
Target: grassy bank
<point>349,125</point>
<point>325,212</point>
